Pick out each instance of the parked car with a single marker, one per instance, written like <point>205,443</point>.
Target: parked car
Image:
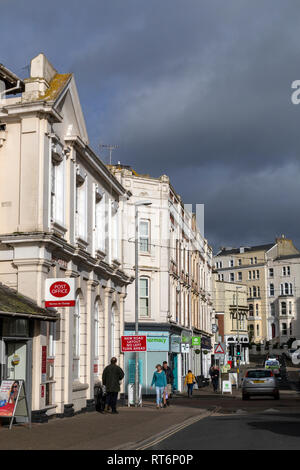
<point>274,365</point>
<point>260,382</point>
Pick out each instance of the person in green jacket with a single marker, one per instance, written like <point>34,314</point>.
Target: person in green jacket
<point>160,382</point>
<point>111,377</point>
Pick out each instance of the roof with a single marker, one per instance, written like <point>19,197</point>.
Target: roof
<point>247,249</point>
<point>11,80</point>
<point>13,303</point>
<point>295,255</point>
<point>56,85</point>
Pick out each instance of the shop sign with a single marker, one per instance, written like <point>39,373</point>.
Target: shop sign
<point>44,364</point>
<point>196,341</point>
<point>185,348</point>
<point>226,386</point>
<point>185,339</point>
<point>135,343</point>
<point>60,292</point>
<point>175,343</point>
<point>157,343</point>
<point>13,400</point>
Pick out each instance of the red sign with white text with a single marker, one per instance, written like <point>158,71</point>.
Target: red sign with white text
<point>60,292</point>
<point>134,343</point>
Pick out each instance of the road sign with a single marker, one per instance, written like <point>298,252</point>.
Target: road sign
<point>136,343</point>
<point>220,348</point>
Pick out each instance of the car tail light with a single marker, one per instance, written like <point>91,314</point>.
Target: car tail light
<point>271,374</point>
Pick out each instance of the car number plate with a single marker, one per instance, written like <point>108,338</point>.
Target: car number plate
<point>258,381</point>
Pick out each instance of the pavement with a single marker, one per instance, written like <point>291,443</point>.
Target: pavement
<point>93,431</point>
<point>146,427</point>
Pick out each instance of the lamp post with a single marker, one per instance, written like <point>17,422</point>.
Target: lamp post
<point>136,243</point>
<point>238,333</point>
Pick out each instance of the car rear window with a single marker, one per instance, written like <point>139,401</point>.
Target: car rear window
<point>257,374</point>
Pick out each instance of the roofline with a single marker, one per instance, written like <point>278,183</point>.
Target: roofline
<point>10,78</point>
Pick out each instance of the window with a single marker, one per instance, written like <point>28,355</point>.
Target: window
<point>251,260</point>
<point>288,271</point>
<point>96,330</point>
<point>57,209</point>
<point>254,291</point>
<point>283,308</point>
<point>240,276</point>
<point>271,272</point>
<point>291,289</point>
<point>250,292</point>
<point>231,263</point>
<point>284,329</point>
<point>257,274</point>
<point>251,311</point>
<point>144,297</point>
<point>272,310</point>
<point>271,290</point>
<point>144,236</point>
<point>284,271</point>
<point>255,260</point>
<point>231,277</point>
<point>256,310</point>
<point>81,205</point>
<point>257,330</point>
<point>100,221</point>
<point>290,308</point>
<point>253,274</point>
<point>114,230</point>
<point>76,340</point>
<point>249,275</point>
<point>240,262</point>
<point>112,331</point>
<point>258,291</point>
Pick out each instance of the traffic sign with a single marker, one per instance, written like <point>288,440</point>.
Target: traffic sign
<point>136,343</point>
<point>220,348</point>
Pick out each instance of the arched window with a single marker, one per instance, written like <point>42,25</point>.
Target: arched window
<point>144,296</point>
<point>96,329</point>
<point>112,331</point>
<point>76,340</point>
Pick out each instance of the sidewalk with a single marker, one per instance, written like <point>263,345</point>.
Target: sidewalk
<point>91,431</point>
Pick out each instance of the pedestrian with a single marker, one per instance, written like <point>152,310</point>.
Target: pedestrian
<point>190,382</point>
<point>111,377</point>
<point>159,380</point>
<point>215,378</point>
<point>170,379</point>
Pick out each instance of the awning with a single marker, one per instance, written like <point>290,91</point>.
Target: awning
<point>13,304</point>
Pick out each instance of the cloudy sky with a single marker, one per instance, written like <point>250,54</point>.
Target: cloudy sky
<point>196,89</point>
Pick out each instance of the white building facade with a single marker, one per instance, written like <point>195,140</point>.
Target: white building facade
<point>60,217</point>
<point>175,265</point>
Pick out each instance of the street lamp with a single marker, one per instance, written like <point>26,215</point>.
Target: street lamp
<point>238,333</point>
<point>136,243</point>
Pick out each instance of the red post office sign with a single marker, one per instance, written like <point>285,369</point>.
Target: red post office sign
<point>136,343</point>
<point>60,292</point>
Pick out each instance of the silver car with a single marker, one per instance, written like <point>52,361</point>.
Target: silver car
<point>259,382</point>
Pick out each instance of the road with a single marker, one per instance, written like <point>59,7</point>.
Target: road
<point>268,430</point>
<point>261,423</point>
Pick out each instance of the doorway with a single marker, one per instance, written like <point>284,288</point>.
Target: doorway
<point>16,360</point>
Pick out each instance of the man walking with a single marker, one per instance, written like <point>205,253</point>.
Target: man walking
<point>170,379</point>
<point>111,377</point>
<point>215,378</point>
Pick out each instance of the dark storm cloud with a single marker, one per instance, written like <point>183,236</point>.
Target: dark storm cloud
<point>195,89</point>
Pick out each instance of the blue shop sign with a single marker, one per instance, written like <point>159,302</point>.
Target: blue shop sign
<point>156,341</point>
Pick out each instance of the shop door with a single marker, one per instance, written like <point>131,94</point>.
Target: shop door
<point>16,353</point>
